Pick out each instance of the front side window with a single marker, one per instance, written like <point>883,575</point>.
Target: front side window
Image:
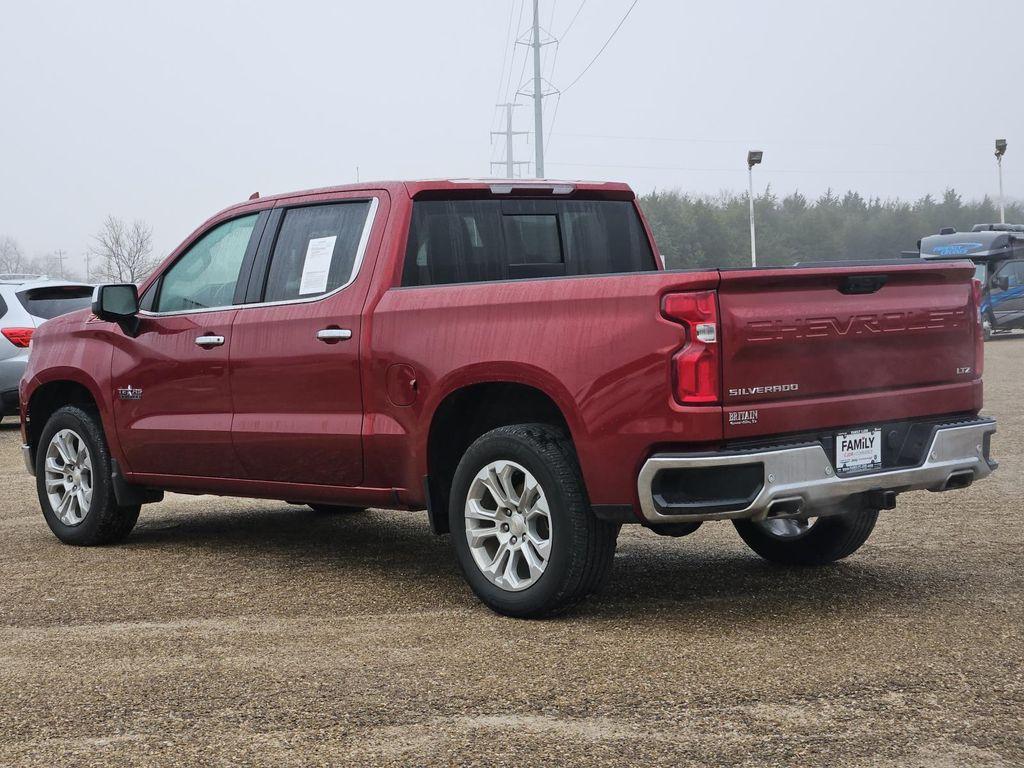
<point>206,276</point>
<point>316,250</point>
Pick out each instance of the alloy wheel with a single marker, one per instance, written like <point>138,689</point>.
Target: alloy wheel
<point>69,477</point>
<point>508,525</point>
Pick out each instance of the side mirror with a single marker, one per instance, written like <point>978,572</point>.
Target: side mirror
<point>118,303</point>
<point>998,283</point>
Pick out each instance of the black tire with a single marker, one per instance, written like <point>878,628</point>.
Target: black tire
<point>105,522</point>
<point>335,509</point>
<point>582,547</point>
<point>829,539</point>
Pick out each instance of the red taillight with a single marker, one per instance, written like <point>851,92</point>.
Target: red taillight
<point>979,329</point>
<point>19,337</point>
<point>696,368</point>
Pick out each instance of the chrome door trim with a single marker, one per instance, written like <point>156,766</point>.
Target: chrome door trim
<point>364,240</point>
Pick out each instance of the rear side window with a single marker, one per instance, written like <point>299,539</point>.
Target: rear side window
<point>3,307</point>
<point>465,241</point>
<point>316,250</point>
<point>48,302</point>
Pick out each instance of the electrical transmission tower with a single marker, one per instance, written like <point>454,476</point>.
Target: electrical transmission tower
<point>509,162</point>
<point>540,87</point>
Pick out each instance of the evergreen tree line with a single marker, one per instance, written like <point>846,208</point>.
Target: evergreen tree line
<point>714,231</point>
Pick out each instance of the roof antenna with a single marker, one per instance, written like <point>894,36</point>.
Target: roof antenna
<point>254,196</point>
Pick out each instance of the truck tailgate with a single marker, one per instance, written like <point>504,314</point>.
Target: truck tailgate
<point>807,348</point>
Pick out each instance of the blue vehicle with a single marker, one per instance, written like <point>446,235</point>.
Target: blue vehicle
<point>997,251</point>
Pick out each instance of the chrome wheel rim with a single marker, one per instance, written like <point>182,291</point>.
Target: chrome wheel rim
<point>508,525</point>
<point>787,527</point>
<point>68,477</point>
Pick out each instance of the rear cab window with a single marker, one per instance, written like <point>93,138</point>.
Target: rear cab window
<point>317,250</point>
<point>50,301</point>
<point>466,241</point>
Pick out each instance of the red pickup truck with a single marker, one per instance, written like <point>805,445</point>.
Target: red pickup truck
<point>514,358</point>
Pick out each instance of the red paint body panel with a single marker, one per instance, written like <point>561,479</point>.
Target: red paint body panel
<point>597,346</point>
<point>276,413</point>
<point>182,425</point>
<point>298,406</point>
<point>903,351</point>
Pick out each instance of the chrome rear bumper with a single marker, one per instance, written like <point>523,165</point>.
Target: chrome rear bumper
<point>800,478</point>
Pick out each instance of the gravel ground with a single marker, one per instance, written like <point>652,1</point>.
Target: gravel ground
<point>230,632</point>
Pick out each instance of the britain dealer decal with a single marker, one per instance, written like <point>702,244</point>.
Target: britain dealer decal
<point>743,417</point>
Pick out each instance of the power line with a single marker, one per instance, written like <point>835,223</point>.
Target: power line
<point>795,143</point>
<point>508,44</point>
<point>859,171</point>
<point>515,48</point>
<point>551,127</point>
<point>606,42</point>
<point>575,16</point>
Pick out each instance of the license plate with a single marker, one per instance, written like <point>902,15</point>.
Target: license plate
<point>859,450</point>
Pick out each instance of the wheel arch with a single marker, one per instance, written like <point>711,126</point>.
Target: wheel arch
<point>472,408</point>
<point>46,396</point>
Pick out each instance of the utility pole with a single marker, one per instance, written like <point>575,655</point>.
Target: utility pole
<point>509,162</point>
<point>60,262</point>
<point>88,266</point>
<point>538,95</point>
<point>537,92</point>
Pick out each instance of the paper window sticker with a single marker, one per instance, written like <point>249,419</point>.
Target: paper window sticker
<point>317,266</point>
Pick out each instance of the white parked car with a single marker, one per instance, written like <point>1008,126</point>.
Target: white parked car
<point>26,302</point>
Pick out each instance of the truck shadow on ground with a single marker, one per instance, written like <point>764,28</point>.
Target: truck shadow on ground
<point>651,574</point>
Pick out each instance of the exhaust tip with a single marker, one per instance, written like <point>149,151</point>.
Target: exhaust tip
<point>785,508</point>
<point>960,479</point>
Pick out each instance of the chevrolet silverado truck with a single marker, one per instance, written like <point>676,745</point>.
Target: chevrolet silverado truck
<point>514,359</point>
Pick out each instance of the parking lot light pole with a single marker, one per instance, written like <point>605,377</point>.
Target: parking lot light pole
<point>1000,151</point>
<point>753,158</point>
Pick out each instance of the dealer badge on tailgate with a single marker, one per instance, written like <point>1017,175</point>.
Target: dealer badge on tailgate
<point>860,450</point>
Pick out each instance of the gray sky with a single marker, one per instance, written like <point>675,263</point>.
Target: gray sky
<point>170,111</point>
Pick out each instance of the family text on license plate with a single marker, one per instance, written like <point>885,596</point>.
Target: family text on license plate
<point>859,450</point>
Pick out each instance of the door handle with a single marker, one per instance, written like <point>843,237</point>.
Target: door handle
<point>209,341</point>
<point>331,335</point>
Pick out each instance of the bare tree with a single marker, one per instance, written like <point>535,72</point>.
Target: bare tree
<point>124,251</point>
<point>12,258</point>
